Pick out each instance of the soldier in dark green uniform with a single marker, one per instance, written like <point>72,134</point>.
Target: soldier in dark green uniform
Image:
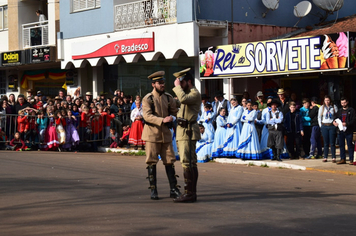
<point>187,131</point>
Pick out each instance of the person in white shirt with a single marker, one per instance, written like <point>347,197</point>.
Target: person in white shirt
<point>326,116</point>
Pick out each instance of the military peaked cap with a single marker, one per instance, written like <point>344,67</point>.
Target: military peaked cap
<point>157,76</point>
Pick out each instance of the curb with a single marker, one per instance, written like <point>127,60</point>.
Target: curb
<point>260,163</point>
<point>116,150</point>
<point>350,173</point>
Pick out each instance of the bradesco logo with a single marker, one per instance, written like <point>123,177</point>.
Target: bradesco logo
<point>268,57</point>
<point>10,57</point>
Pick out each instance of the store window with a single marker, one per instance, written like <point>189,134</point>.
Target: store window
<point>83,5</point>
<point>3,18</point>
<point>2,82</point>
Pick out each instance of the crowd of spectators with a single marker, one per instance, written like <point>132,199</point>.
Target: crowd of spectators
<point>69,122</point>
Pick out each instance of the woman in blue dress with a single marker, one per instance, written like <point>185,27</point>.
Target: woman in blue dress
<point>220,134</point>
<point>207,117</point>
<point>249,146</point>
<point>233,129</point>
<point>204,145</point>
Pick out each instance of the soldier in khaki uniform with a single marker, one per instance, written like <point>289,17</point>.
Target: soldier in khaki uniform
<point>158,107</point>
<point>187,131</point>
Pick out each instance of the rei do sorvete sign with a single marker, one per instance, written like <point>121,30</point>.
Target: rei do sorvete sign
<point>276,56</point>
<point>113,46</point>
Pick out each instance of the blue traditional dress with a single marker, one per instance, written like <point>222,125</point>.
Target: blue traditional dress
<point>233,132</point>
<point>204,145</point>
<point>207,118</point>
<point>249,146</point>
<point>219,137</point>
<point>265,151</point>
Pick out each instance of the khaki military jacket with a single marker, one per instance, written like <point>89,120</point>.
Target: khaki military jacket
<point>189,109</point>
<point>155,130</point>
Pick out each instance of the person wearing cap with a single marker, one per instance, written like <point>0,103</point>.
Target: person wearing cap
<point>88,97</point>
<point>158,107</point>
<point>233,129</point>
<point>283,101</point>
<point>315,138</point>
<point>261,104</point>
<point>274,120</point>
<point>187,131</point>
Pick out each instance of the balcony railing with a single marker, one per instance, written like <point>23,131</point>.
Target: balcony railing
<point>35,34</point>
<point>145,13</point>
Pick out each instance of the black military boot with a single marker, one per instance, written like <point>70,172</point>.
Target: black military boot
<point>152,173</point>
<point>188,195</point>
<point>172,178</point>
<point>279,155</point>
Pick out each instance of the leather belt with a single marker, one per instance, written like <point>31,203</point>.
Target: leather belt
<point>327,124</point>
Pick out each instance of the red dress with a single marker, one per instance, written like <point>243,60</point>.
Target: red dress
<point>136,128</point>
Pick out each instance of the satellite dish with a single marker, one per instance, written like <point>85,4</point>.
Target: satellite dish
<point>302,9</point>
<point>329,5</point>
<point>270,5</point>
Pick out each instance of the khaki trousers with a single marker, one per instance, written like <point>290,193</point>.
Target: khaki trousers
<point>183,147</point>
<point>165,150</point>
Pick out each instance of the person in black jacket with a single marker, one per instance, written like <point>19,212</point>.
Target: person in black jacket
<point>294,130</point>
<point>347,116</point>
<point>21,103</point>
<point>315,139</point>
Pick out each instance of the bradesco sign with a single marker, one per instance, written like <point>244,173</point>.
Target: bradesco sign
<point>113,47</point>
<point>11,58</point>
<point>278,56</point>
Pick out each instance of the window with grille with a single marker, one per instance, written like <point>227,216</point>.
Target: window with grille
<point>3,17</point>
<point>82,5</point>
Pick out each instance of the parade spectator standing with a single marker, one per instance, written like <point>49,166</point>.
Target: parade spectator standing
<point>283,101</point>
<point>315,138</point>
<point>220,103</point>
<point>158,107</point>
<point>72,136</point>
<point>187,131</point>
<point>304,113</point>
<point>21,103</point>
<point>274,120</point>
<point>346,115</point>
<point>326,116</point>
<point>261,104</point>
<point>137,127</point>
<point>42,122</point>
<point>294,130</point>
<point>22,124</point>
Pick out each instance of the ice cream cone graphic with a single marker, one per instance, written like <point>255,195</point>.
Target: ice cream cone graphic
<point>332,62</point>
<point>342,43</point>
<point>324,66</point>
<point>342,62</point>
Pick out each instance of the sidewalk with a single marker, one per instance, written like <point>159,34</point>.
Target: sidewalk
<point>307,164</point>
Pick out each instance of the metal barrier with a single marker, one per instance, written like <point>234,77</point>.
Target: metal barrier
<point>94,132</point>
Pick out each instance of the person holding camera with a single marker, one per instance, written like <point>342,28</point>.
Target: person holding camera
<point>187,131</point>
<point>158,107</point>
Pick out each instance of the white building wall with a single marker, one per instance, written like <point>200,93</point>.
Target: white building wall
<point>4,41</point>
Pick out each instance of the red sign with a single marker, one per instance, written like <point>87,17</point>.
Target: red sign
<point>121,47</point>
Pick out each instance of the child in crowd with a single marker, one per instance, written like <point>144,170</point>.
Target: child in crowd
<point>204,145</point>
<point>114,138</point>
<point>107,118</point>
<point>17,144</point>
<point>84,124</point>
<point>31,134</point>
<point>72,137</point>
<point>61,123</point>
<point>124,140</point>
<point>220,133</point>
<point>96,127</point>
<point>294,129</point>
<point>304,114</point>
<point>22,123</point>
<point>207,116</point>
<point>42,122</point>
<point>51,133</point>
<point>3,140</point>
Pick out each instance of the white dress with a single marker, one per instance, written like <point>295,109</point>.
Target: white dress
<point>204,145</point>
<point>233,133</point>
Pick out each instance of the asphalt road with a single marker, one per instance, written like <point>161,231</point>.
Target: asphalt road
<point>51,193</point>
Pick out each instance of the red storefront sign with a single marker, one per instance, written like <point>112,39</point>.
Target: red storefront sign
<point>119,47</point>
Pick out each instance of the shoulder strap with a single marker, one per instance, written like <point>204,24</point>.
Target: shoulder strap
<point>270,114</point>
<point>152,103</point>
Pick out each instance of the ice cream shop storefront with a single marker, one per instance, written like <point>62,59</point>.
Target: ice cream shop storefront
<point>307,66</point>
